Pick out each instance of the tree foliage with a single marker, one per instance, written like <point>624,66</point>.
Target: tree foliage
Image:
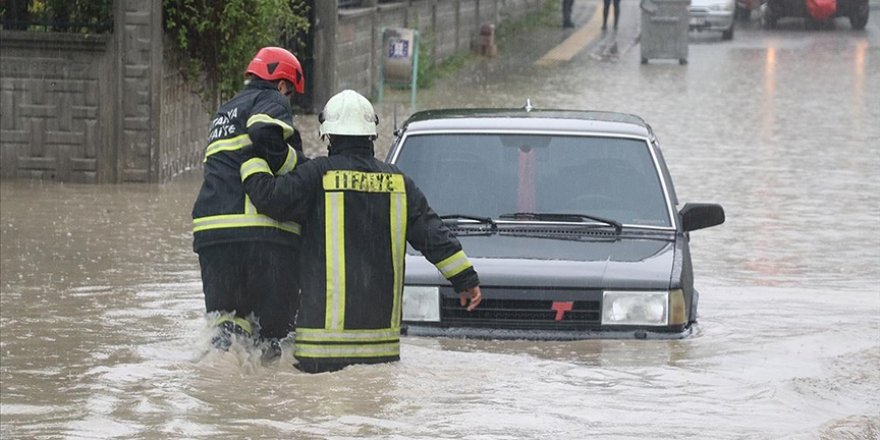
<point>81,16</point>
<point>216,40</point>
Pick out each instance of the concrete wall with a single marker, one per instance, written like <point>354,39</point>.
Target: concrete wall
<point>137,56</point>
<point>184,119</point>
<point>449,27</point>
<point>84,108</point>
<point>54,109</point>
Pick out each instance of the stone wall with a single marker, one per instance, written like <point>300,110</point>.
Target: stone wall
<point>54,111</point>
<point>184,118</point>
<point>449,27</point>
<point>84,108</point>
<point>138,58</point>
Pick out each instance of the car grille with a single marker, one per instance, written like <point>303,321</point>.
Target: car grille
<point>521,315</point>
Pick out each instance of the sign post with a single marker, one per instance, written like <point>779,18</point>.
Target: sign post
<point>400,64</point>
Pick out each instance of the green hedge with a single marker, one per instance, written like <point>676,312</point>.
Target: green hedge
<point>81,16</point>
<point>215,40</point>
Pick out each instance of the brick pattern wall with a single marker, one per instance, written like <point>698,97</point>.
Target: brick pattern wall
<point>50,91</point>
<point>84,108</point>
<point>140,56</point>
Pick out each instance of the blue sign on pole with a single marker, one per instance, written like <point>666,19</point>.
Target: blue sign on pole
<point>401,60</point>
<point>398,49</point>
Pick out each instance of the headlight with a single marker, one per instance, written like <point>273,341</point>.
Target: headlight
<point>634,308</point>
<point>421,303</point>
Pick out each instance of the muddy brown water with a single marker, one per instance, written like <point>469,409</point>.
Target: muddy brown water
<point>101,312</point>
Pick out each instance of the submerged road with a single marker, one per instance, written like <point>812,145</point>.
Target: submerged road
<point>102,332</point>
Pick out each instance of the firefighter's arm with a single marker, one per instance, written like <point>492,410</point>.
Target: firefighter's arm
<point>292,160</point>
<point>427,234</point>
<point>269,126</point>
<point>280,197</point>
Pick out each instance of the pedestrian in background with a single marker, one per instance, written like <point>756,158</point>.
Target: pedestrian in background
<point>358,214</point>
<point>248,260</point>
<point>605,7</point>
<point>566,13</point>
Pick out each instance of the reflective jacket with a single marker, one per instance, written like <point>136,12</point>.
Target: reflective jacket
<point>222,212</point>
<point>358,215</point>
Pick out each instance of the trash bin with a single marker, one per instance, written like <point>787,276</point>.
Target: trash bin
<point>664,29</point>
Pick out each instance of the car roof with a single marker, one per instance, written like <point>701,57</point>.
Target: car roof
<point>460,119</point>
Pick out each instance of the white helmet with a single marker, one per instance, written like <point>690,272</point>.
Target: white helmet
<point>348,114</point>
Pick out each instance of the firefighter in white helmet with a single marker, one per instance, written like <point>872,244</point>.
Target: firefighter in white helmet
<point>357,214</point>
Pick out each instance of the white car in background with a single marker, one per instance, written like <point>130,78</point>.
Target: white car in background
<point>712,15</point>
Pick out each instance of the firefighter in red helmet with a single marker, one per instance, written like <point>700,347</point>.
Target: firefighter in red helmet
<point>248,260</point>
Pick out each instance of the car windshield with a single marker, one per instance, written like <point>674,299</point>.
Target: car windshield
<point>488,175</point>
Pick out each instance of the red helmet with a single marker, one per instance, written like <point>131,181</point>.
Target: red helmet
<point>273,63</point>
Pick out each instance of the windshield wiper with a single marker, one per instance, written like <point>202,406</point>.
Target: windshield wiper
<point>480,220</point>
<point>561,217</point>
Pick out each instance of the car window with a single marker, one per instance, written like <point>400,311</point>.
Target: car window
<point>492,174</point>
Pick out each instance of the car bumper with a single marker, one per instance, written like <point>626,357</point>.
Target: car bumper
<point>710,21</point>
<point>540,335</point>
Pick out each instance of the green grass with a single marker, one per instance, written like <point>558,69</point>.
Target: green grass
<point>430,72</point>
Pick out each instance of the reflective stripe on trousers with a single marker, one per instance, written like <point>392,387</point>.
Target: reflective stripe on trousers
<point>325,343</point>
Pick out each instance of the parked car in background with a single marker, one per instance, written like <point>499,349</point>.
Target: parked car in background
<point>855,10</point>
<point>570,218</point>
<point>712,15</point>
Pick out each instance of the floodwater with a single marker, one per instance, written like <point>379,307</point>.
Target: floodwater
<point>101,312</point>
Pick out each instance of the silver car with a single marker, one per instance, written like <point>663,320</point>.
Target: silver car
<point>569,217</point>
<point>712,15</point>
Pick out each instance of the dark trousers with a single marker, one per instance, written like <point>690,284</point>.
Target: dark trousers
<point>566,12</point>
<point>307,365</point>
<point>605,7</point>
<point>254,277</point>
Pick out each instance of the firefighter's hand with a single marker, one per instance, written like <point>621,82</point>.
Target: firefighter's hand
<point>473,294</point>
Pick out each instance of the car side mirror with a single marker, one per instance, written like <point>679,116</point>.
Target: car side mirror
<point>701,215</point>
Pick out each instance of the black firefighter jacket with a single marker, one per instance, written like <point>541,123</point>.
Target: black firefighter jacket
<point>258,115</point>
<point>358,214</point>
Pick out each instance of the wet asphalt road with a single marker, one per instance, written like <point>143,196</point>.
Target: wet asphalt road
<point>102,335</point>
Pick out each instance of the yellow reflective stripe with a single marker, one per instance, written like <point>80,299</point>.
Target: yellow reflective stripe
<point>253,166</point>
<point>334,242</point>
<point>290,162</point>
<point>241,322</point>
<point>346,180</point>
<point>242,220</point>
<point>398,249</point>
<point>347,351</point>
<point>231,144</point>
<point>266,119</point>
<point>361,336</point>
<point>454,265</point>
<point>249,208</point>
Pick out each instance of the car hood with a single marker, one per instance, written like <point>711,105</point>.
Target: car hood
<point>526,261</point>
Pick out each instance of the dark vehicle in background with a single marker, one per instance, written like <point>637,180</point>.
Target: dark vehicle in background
<point>570,218</point>
<point>744,9</point>
<point>773,10</point>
